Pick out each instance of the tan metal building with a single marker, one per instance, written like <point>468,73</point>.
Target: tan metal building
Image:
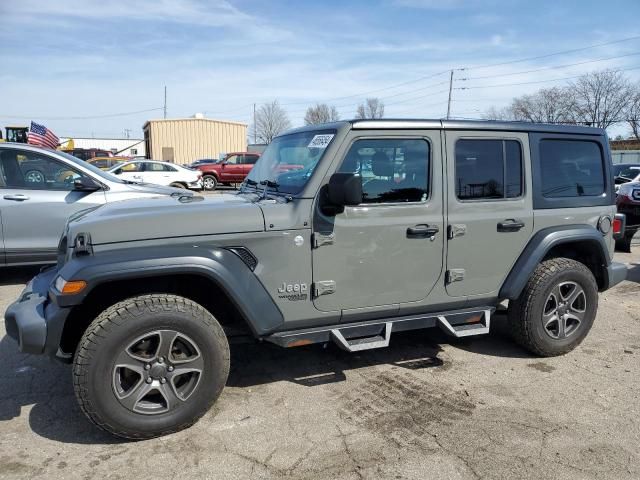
<point>184,140</point>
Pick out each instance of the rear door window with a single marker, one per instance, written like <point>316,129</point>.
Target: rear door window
<point>488,169</point>
<point>571,168</point>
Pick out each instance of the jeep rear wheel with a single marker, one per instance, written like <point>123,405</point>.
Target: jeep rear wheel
<point>150,365</point>
<point>209,182</point>
<point>556,309</point>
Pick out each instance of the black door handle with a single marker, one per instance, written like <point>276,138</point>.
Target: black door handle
<point>510,225</point>
<point>422,231</point>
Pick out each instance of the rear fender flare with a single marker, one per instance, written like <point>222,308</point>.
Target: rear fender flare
<point>540,245</point>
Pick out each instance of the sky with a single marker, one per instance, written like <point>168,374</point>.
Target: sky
<point>81,67</point>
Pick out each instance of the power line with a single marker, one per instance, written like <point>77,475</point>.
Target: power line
<point>356,95</point>
<point>473,87</point>
<point>574,50</point>
<point>109,115</point>
<point>426,77</point>
<point>552,67</point>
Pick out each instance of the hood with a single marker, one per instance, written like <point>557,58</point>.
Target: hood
<point>167,217</point>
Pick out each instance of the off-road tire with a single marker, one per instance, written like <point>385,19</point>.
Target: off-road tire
<point>525,315</point>
<point>212,180</point>
<point>122,323</point>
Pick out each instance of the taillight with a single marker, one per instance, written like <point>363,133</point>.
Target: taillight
<point>617,226</point>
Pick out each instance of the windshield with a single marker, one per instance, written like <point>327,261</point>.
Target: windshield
<point>626,171</point>
<point>95,170</point>
<point>289,161</point>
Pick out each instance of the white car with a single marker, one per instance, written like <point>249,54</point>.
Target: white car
<point>159,173</point>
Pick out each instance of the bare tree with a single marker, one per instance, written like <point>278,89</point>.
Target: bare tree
<point>549,105</point>
<point>321,113</point>
<point>371,108</point>
<point>633,111</point>
<point>496,113</point>
<point>271,120</point>
<point>600,98</point>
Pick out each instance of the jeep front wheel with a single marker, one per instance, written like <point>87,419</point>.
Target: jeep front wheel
<point>150,365</point>
<point>556,309</point>
<point>210,182</point>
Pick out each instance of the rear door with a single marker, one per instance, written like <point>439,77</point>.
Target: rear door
<point>36,199</point>
<point>380,254</point>
<point>490,213</point>
<point>158,173</point>
<point>248,161</point>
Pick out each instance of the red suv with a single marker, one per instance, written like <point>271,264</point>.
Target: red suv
<point>232,169</point>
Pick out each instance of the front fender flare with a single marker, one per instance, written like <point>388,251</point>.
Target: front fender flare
<point>538,247</point>
<point>219,265</point>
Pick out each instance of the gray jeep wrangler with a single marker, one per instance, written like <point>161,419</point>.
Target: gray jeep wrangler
<point>345,233</point>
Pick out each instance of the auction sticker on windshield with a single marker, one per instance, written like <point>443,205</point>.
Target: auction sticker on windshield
<point>320,141</point>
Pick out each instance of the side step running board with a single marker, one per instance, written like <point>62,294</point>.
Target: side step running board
<point>368,334</point>
<point>366,343</point>
<point>466,329</point>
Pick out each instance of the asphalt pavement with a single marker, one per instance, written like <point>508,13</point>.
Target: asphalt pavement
<point>426,407</point>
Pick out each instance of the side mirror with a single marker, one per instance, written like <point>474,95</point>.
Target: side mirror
<point>86,184</point>
<point>345,189</point>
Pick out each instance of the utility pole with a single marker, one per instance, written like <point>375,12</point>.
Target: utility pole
<point>127,132</point>
<point>449,101</point>
<point>165,100</point>
<point>255,133</point>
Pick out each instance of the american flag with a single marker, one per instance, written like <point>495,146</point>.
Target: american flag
<point>41,136</point>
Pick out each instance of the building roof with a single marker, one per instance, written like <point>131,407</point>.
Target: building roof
<point>191,119</point>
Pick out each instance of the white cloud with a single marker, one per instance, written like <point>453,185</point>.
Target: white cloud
<point>213,13</point>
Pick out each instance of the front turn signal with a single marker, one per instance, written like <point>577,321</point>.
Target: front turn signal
<point>71,287</point>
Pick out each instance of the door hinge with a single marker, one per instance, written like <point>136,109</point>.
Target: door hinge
<point>456,230</point>
<point>455,275</point>
<point>324,287</point>
<point>320,239</point>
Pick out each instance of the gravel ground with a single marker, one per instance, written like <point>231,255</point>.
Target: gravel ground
<point>426,407</point>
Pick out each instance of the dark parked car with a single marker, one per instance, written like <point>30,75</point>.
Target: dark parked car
<point>204,161</point>
<point>233,168</point>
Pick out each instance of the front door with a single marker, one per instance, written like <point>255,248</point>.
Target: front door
<point>37,197</point>
<point>387,250</point>
<point>232,169</point>
<point>490,216</point>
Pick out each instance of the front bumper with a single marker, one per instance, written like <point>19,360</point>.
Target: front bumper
<point>33,320</point>
<point>197,185</point>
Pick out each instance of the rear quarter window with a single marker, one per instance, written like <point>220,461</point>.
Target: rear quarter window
<point>571,168</point>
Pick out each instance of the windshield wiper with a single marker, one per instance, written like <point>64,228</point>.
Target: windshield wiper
<point>248,181</point>
<point>268,184</point>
